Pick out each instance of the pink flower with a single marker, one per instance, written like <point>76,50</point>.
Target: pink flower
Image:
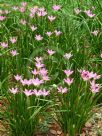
<point>69,81</point>
<point>2,18</point>
<point>45,93</point>
<point>68,56</point>
<point>13,90</point>
<point>56,7</point>
<point>33,28</point>
<point>57,32</point>
<point>43,71</point>
<point>95,32</point>
<point>35,72</point>
<point>94,87</point>
<point>38,37</point>
<point>45,78</point>
<point>23,22</point>
<point>101,55</point>
<point>62,90</point>
<point>15,8</point>
<point>37,82</point>
<point>39,65</point>
<point>85,75</point>
<point>33,10</point>
<point>51,18</point>
<point>13,40</point>
<point>38,59</point>
<point>4,45</point>
<point>89,13</point>
<point>23,4</point>
<point>41,13</point>
<point>49,33</point>
<point>22,9</point>
<point>77,11</point>
<point>50,52</point>
<point>37,93</point>
<point>13,53</point>
<point>94,75</point>
<point>17,77</point>
<point>28,92</point>
<point>68,72</point>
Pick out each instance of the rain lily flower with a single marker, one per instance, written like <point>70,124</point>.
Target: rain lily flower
<point>22,9</point>
<point>67,55</point>
<point>35,72</point>
<point>43,71</point>
<point>85,75</point>
<point>62,90</point>
<point>4,44</point>
<point>38,59</point>
<point>2,18</point>
<point>95,32</point>
<point>23,4</point>
<point>28,92</point>
<point>23,22</point>
<point>13,53</point>
<point>50,52</point>
<point>39,65</point>
<point>77,10</point>
<point>45,92</point>
<point>33,10</point>
<point>13,40</point>
<point>101,55</point>
<point>38,37</point>
<point>33,28</point>
<point>56,7</point>
<point>37,92</point>
<point>89,13</point>
<point>51,18</point>
<point>57,32</point>
<point>94,87</point>
<point>15,8</point>
<point>41,13</point>
<point>69,81</point>
<point>45,78</point>
<point>94,75</point>
<point>68,72</point>
<point>13,90</point>
<point>17,77</point>
<point>37,82</point>
<point>49,33</point>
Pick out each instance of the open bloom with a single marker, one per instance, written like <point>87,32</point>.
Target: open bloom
<point>62,90</point>
<point>89,13</point>
<point>2,18</point>
<point>51,18</point>
<point>23,22</point>
<point>94,87</point>
<point>56,7</point>
<point>95,32</point>
<point>17,77</point>
<point>13,90</point>
<point>57,33</point>
<point>39,65</point>
<point>13,39</point>
<point>38,37</point>
<point>33,28</point>
<point>77,10</point>
<point>67,55</point>
<point>37,82</point>
<point>4,44</point>
<point>49,33</point>
<point>68,72</point>
<point>69,81</point>
<point>50,52</point>
<point>13,53</point>
<point>28,92</point>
